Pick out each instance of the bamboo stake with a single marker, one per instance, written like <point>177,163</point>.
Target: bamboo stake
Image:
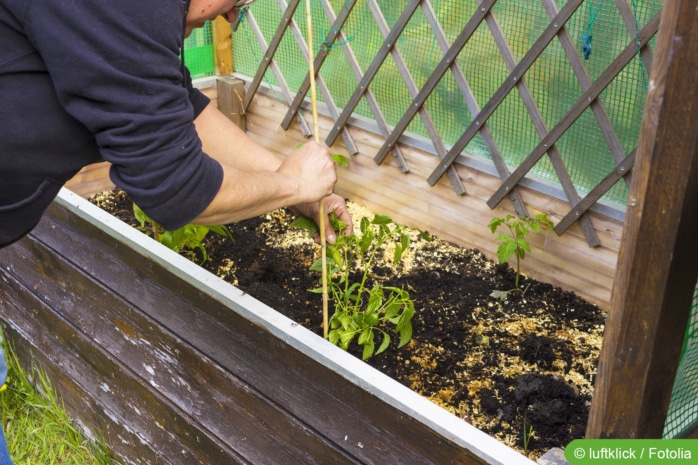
<point>316,134</point>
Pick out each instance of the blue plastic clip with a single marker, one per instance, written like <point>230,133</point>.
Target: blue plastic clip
<point>586,47</point>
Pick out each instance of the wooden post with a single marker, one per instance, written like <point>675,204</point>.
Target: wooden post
<point>231,94</point>
<point>222,46</point>
<point>658,260</point>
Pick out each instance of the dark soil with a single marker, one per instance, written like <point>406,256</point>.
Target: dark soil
<point>520,369</point>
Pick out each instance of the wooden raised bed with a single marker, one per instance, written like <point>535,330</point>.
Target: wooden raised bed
<point>170,364</point>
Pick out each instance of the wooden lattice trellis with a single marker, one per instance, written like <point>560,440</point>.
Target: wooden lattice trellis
<point>637,43</point>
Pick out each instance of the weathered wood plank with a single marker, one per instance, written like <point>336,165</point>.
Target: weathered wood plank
<point>169,315</point>
<point>231,92</point>
<point>262,360</point>
<point>658,260</point>
<point>222,46</point>
<point>94,414</point>
<point>229,414</point>
<point>142,423</point>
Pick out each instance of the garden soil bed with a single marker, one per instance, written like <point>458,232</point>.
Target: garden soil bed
<point>520,369</point>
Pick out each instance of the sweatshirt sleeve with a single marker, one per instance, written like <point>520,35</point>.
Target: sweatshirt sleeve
<point>116,68</point>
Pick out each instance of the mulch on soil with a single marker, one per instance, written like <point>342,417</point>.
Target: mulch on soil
<point>520,369</point>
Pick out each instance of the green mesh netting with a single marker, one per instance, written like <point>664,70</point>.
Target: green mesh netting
<point>198,52</point>
<point>551,79</point>
<point>682,417</point>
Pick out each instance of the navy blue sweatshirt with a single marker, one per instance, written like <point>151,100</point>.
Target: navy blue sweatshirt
<point>89,80</point>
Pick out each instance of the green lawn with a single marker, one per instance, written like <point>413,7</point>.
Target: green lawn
<point>37,428</point>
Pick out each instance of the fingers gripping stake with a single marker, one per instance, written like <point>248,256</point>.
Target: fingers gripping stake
<point>316,133</point>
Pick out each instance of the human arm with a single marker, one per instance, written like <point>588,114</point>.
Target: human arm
<point>256,181</point>
<point>118,72</point>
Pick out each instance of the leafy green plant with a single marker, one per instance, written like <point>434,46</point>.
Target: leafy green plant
<point>514,242</point>
<point>186,239</point>
<point>363,311</point>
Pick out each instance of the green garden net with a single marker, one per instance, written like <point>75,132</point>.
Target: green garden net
<point>198,52</point>
<point>551,79</point>
<point>682,417</point>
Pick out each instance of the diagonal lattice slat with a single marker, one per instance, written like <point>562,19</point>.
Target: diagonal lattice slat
<point>532,109</point>
<point>285,89</point>
<point>269,51</point>
<point>545,38</point>
<point>585,82</point>
<point>326,95</point>
<point>577,109</point>
<point>473,107</point>
<point>413,91</point>
<point>368,94</point>
<point>540,126</point>
<point>596,193</point>
<point>319,60</point>
<point>434,79</point>
<point>372,70</point>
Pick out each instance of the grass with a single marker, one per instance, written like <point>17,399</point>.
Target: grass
<point>37,428</point>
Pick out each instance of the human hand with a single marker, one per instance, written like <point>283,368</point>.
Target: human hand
<point>314,171</point>
<point>332,203</point>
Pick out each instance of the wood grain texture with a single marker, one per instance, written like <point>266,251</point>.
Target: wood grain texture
<point>178,400</point>
<point>173,374</point>
<point>658,259</point>
<point>230,96</point>
<point>222,46</point>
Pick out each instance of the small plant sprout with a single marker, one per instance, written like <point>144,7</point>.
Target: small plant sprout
<point>514,242</point>
<point>364,309</point>
<point>186,239</point>
<point>527,435</point>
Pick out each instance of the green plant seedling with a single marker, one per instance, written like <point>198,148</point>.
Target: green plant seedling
<point>514,243</point>
<point>527,435</point>
<point>362,311</point>
<point>186,239</point>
